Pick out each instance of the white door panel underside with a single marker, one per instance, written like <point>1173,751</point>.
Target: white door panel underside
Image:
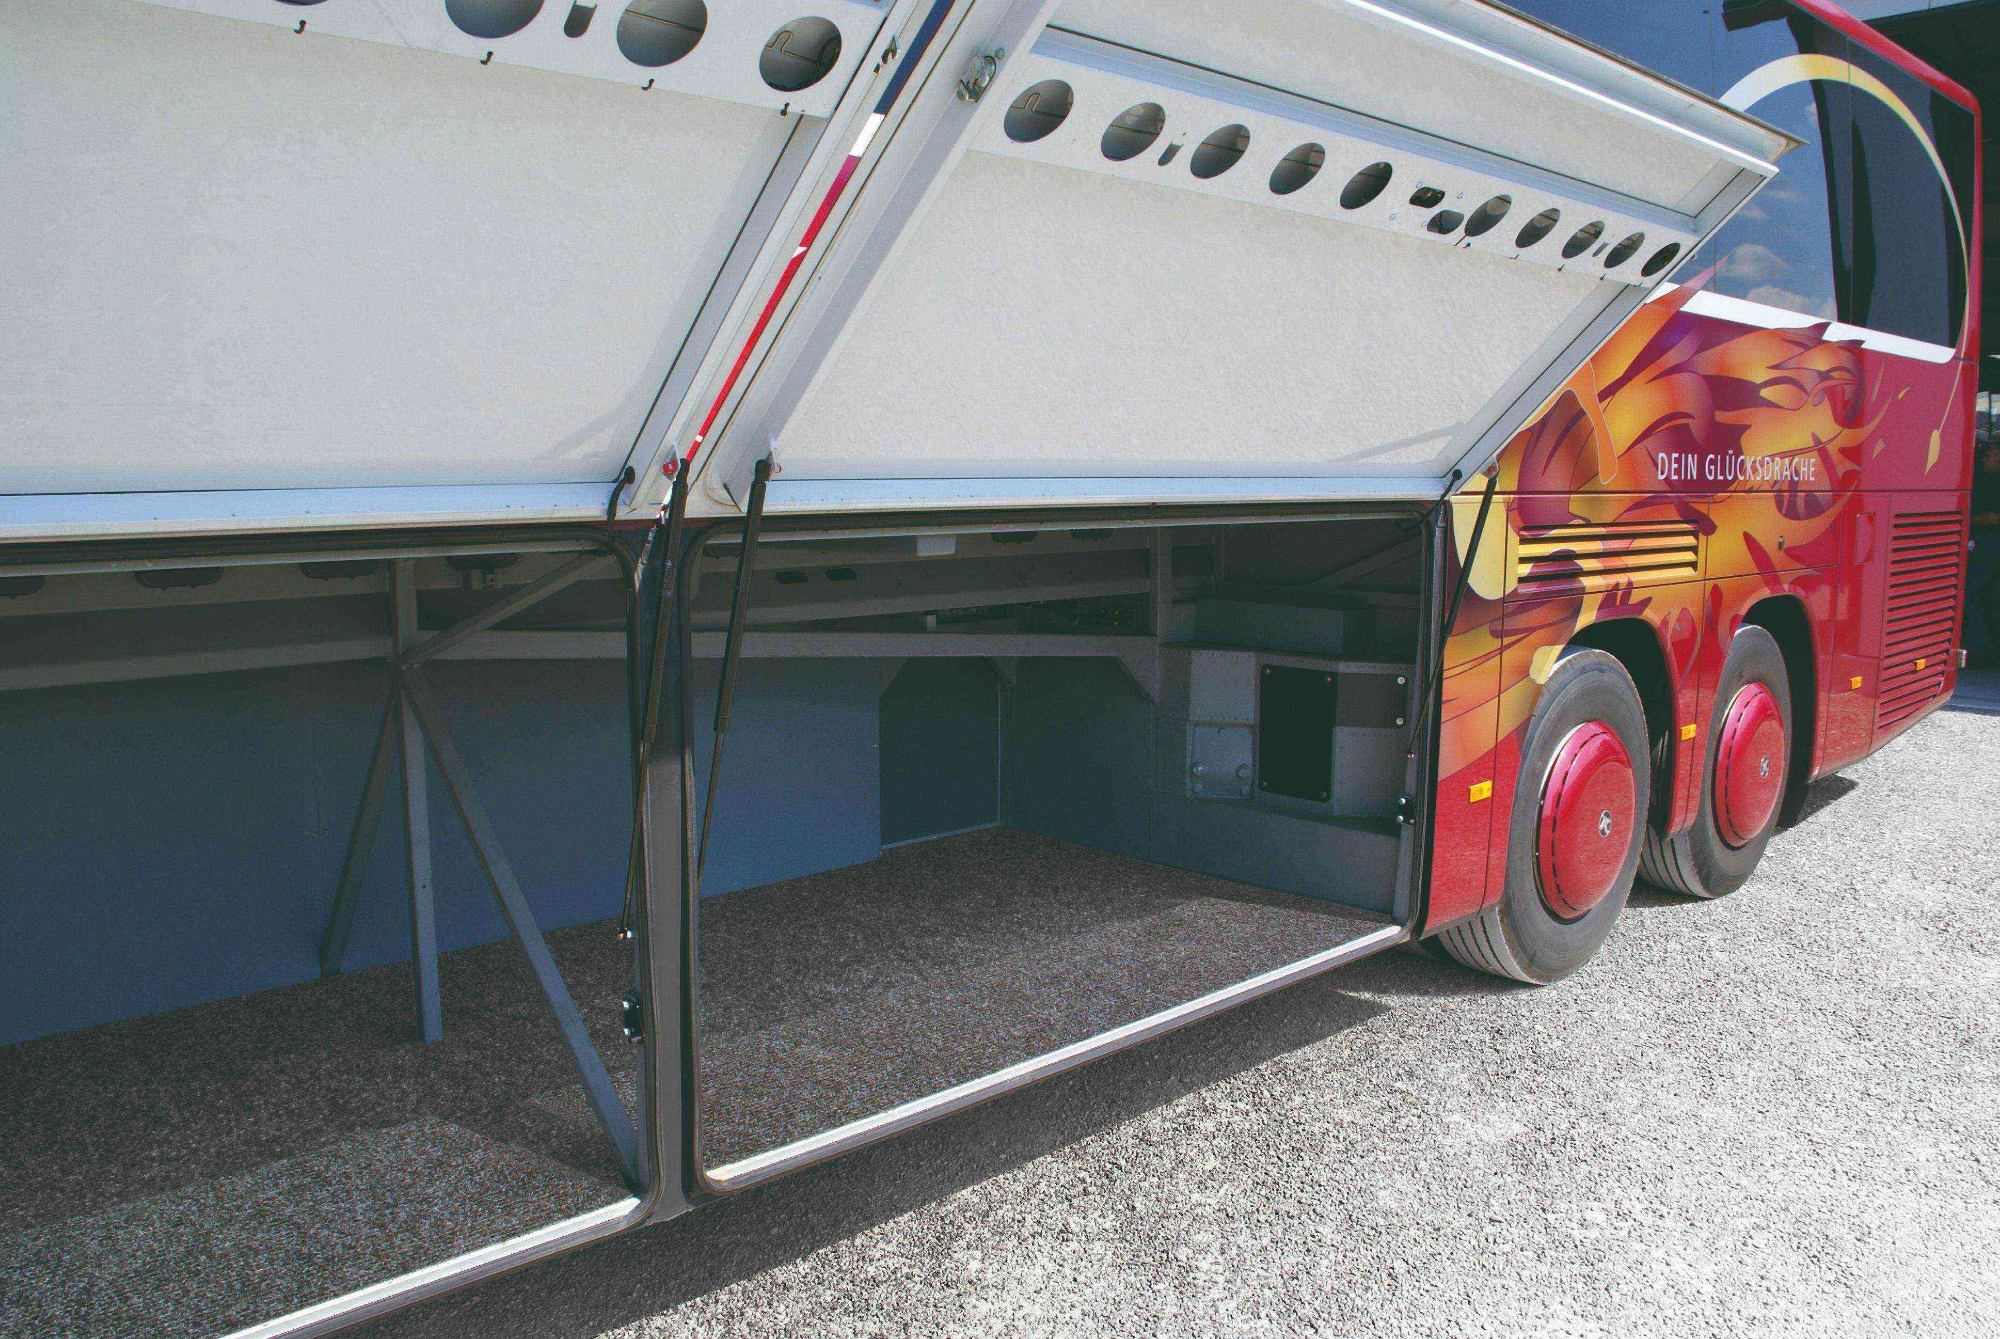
<point>373,263</point>
<point>239,259</point>
<point>1285,240</point>
<point>1190,336</point>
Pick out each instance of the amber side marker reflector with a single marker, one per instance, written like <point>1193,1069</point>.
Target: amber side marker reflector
<point>1922,661</point>
<point>1854,682</point>
<point>1687,731</point>
<point>1481,790</point>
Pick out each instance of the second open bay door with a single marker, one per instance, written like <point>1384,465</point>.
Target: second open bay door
<point>1287,249</point>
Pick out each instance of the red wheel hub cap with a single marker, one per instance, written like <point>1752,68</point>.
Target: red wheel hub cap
<point>1584,830</point>
<point>1749,764</point>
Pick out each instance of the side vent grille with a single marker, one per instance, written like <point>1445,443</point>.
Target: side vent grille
<point>1597,557</point>
<point>1920,621</point>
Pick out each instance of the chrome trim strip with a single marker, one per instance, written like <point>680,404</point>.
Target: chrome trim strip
<point>762,1167</point>
<point>378,1298</point>
<point>808,497</point>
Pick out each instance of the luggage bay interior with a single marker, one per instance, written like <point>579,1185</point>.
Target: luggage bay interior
<point>985,793</point>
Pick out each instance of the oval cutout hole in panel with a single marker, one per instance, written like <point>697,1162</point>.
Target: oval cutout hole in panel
<point>1582,239</point>
<point>1365,185</point>
<point>800,54</point>
<point>1427,197</point>
<point>1487,217</point>
<point>1538,227</point>
<point>491,18</point>
<point>1445,222</point>
<point>1133,131</point>
<point>1297,168</point>
<point>653,33</point>
<point>1660,259</point>
<point>1624,251</point>
<point>1220,151</point>
<point>1038,111</point>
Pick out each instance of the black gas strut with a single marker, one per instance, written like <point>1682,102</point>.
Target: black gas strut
<point>732,651</point>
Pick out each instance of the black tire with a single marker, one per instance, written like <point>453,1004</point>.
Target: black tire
<point>1519,936</point>
<point>1698,862</point>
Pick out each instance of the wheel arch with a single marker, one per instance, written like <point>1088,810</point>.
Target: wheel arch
<point>1784,617</point>
<point>1636,644</point>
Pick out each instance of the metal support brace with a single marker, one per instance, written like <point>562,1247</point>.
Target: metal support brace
<point>417,823</point>
<point>360,842</point>
<point>732,652</point>
<point>501,610</point>
<point>662,917</point>
<point>659,573</point>
<point>597,1085</point>
<point>402,732</point>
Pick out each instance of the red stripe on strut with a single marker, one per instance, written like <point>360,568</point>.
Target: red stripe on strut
<point>771,306</point>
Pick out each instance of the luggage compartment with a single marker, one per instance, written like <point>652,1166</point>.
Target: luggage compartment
<point>1111,769</point>
<point>988,793</point>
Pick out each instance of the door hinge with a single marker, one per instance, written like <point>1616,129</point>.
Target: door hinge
<point>633,1015</point>
<point>980,75</point>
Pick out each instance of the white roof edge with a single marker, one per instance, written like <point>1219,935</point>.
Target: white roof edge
<point>1707,302</point>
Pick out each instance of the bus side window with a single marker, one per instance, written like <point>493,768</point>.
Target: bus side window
<point>1903,258</point>
<point>1670,37</point>
<point>1779,249</point>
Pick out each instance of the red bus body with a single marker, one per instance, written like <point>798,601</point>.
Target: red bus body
<point>1698,474</point>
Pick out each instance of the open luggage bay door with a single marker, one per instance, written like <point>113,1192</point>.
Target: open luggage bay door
<point>303,266</point>
<point>1116,252</point>
<point>282,267</point>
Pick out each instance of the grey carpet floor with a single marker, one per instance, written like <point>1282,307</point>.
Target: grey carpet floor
<point>186,1173</point>
<point>218,1255</point>
<point>842,994</point>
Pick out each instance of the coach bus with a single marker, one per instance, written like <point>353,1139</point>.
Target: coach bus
<point>602,602</point>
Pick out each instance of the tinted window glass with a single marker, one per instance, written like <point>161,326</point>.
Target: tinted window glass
<point>1779,249</point>
<point>1901,247</point>
<point>1675,38</point>
<point>1858,226</point>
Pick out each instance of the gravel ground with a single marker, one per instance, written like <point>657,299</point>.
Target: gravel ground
<point>1776,1114</point>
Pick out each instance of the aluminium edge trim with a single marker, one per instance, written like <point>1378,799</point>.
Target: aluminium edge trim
<point>337,1313</point>
<point>761,1167</point>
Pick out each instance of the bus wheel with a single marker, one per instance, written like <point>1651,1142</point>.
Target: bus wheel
<point>1573,837</point>
<point>1742,780</point>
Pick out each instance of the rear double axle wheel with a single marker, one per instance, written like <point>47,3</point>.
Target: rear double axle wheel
<point>1744,771</point>
<point>1579,830</point>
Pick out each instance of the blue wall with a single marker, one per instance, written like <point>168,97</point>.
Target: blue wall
<point>940,749</point>
<point>177,841</point>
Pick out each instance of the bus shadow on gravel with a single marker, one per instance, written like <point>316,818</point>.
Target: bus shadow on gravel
<point>1823,792</point>
<point>661,1268</point>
